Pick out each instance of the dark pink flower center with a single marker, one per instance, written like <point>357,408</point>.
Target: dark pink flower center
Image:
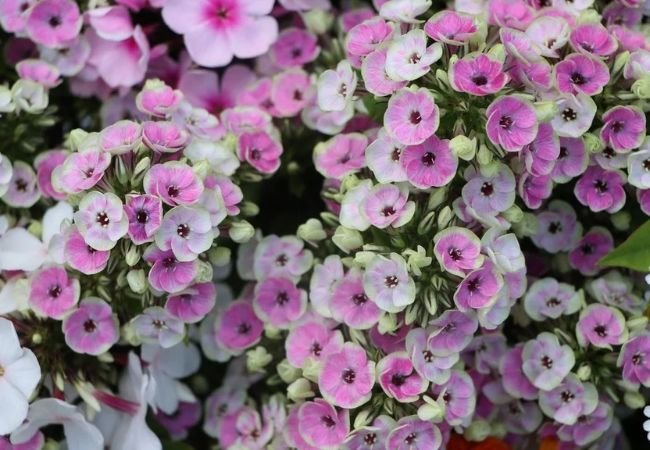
<point>410,439</point>
<point>547,362</point>
<point>428,159</point>
<point>487,189</point>
<point>90,326</point>
<point>281,260</point>
<point>415,117</point>
<point>316,349</point>
<point>169,262</point>
<point>396,154</point>
<point>21,185</point>
<point>244,328</point>
<point>359,299</point>
<point>391,281</point>
<point>54,21</point>
<point>554,227</point>
<point>618,126</point>
<point>142,216</point>
<point>370,439</point>
<point>172,191</point>
<point>282,298</point>
<point>388,211</point>
<point>569,114</point>
<point>54,291</point>
<point>183,230</point>
<point>328,421</point>
<point>506,122</point>
<point>578,78</point>
<point>455,254</point>
<point>349,376</point>
<point>102,219</point>
<point>479,80</point>
<point>427,355</point>
<point>637,359</point>
<point>601,186</point>
<point>552,302</point>
<point>600,330</point>
<point>567,396</point>
<point>398,379</point>
<point>473,284</point>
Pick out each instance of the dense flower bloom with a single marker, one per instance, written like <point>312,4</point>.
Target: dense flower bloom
<point>430,163</point>
<point>546,362</point>
<point>53,293</point>
<point>347,377</point>
<point>512,123</point>
<point>411,116</point>
<point>479,75</point>
<point>92,328</point>
<point>624,128</point>
<point>398,378</point>
<point>388,284</point>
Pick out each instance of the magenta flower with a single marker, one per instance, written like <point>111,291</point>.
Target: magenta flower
<point>450,27</point>
<point>533,190</point>
<point>512,123</point>
<point>371,437</point>
<point>593,38</point>
<point>479,289</point>
<point>179,423</point>
<point>431,367</point>
<point>80,171</point>
<point>601,190</point>
<point>164,137</point>
<point>53,23</point>
<point>546,362</point>
<point>238,328</point>
<point>144,213</point>
<point>459,397</point>
<point>412,433</point>
<point>490,193</point>
<point>398,378</point>
<point>291,92</point>
<point>458,250</point>
<point>558,228</point>
<point>45,164</point>
<point>81,256</point>
<point>624,128</point>
<point>279,302</point>
<point>186,231</point>
<point>230,192</point>
<point>156,326</point>
<point>260,150</point>
<point>411,116</point>
<point>121,137</point>
<point>336,88</point>
<point>568,401</point>
<point>174,182</point>
<point>374,74</point>
<point>549,299</point>
<point>281,257</point>
<point>92,328</point>
<point>634,358</point>
<point>321,425</point>
<point>12,14</point>
<point>588,428</point>
<point>388,205</point>
<point>383,158</point>
<point>409,57</point>
<point>388,283</point>
<point>295,47</point>
<point>452,332</point>
<point>340,155</point>
<point>364,38</point>
<point>205,89</point>
<point>478,75</point>
<point>311,341</point>
<point>601,326</point>
<point>193,303</point>
<point>515,382</point>
<point>39,71</point>
<point>350,305</point>
<point>323,279</point>
<point>157,99</point>
<point>429,164</point>
<point>347,377</point>
<point>52,293</point>
<point>215,31</point>
<point>595,244</point>
<point>571,161</point>
<point>167,273</point>
<point>579,73</point>
<point>101,220</point>
<point>22,191</point>
<point>540,155</point>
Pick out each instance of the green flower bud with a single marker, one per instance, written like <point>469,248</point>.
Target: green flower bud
<point>312,230</point>
<point>220,256</point>
<point>300,390</point>
<point>137,281</point>
<point>241,231</point>
<point>387,323</point>
<point>35,228</point>
<point>426,224</point>
<point>362,258</point>
<point>346,239</point>
<point>29,96</point>
<point>51,445</point>
<point>444,217</point>
<point>638,323</point>
<point>641,88</point>
<point>317,21</point>
<point>442,76</point>
<point>202,168</point>
<point>484,155</point>
<point>584,372</point>
<point>249,209</point>
<point>132,256</point>
<point>431,410</point>
<point>621,220</point>
<point>620,62</point>
<point>513,214</point>
<point>545,111</point>
<point>311,369</point>
<point>477,431</point>
<point>257,359</point>
<point>287,372</point>
<point>498,52</point>
<point>200,384</point>
<point>415,260</point>
<point>527,226</point>
<point>437,197</point>
<point>205,273</point>
<point>634,399</point>
<point>362,419</point>
<point>272,332</point>
<point>589,16</point>
<point>37,338</point>
<point>593,143</point>
<point>463,147</point>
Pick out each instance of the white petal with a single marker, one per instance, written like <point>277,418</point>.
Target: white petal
<point>24,373</point>
<point>14,408</point>
<point>21,250</point>
<point>10,349</point>
<point>81,435</point>
<point>54,218</point>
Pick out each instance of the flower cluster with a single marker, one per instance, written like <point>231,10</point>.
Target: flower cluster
<point>470,278</point>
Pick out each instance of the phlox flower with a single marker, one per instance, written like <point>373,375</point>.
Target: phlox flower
<point>601,326</point>
<point>383,158</point>
<point>558,228</point>
<point>215,31</point>
<point>398,378</point>
<point>336,87</point>
<point>477,75</point>
<point>430,366</point>
<point>186,231</point>
<point>69,59</point>
<point>237,327</point>
<point>540,155</point>
<point>430,163</point>
<point>347,377</point>
<point>638,65</point>
<point>279,302</point>
<point>638,168</point>
<point>21,374</point>
<point>39,71</point>
<point>388,283</point>
<point>458,395</point>
<point>521,417</point>
<point>515,382</point>
<point>291,91</point>
<point>593,38</point>
<point>458,250</point>
<point>164,137</point>
<point>215,94</point>
<point>570,400</point>
<point>411,116</point>
<point>101,220</point>
<point>575,114</point>
<point>634,359</point>
<point>572,160</point>
<point>167,273</point>
<point>624,128</point>
<point>157,99</point>
<point>350,305</point>
<point>589,427</point>
<point>53,23</point>
<point>260,150</point>
<point>81,256</point>
<point>12,14</point>
<point>490,193</point>
<point>179,423</point>
<point>408,56</point>
<point>549,299</point>
<point>350,214</point>
<point>45,163</point>
<point>311,341</point>
<point>601,190</point>
<point>388,205</point>
<point>295,47</point>
<point>550,33</point>
<point>323,279</point>
<point>157,326</point>
<point>412,433</point>
<point>578,73</point>
<point>341,155</point>
<point>595,244</point>
<point>53,293</point>
<point>174,182</point>
<point>510,14</point>
<point>121,137</point>
<point>403,10</point>
<point>322,425</point>
<point>80,171</point>
<point>371,436</point>
<point>364,38</point>
<point>451,332</point>
<point>92,328</point>
<point>22,188</point>
<point>281,257</point>
<point>193,303</point>
<point>450,27</point>
<point>546,362</point>
<point>144,213</point>
<point>375,78</point>
<point>533,190</point>
<point>512,123</point>
<point>479,289</point>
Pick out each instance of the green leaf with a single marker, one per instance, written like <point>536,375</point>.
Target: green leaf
<point>171,445</point>
<point>376,107</point>
<point>633,254</point>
